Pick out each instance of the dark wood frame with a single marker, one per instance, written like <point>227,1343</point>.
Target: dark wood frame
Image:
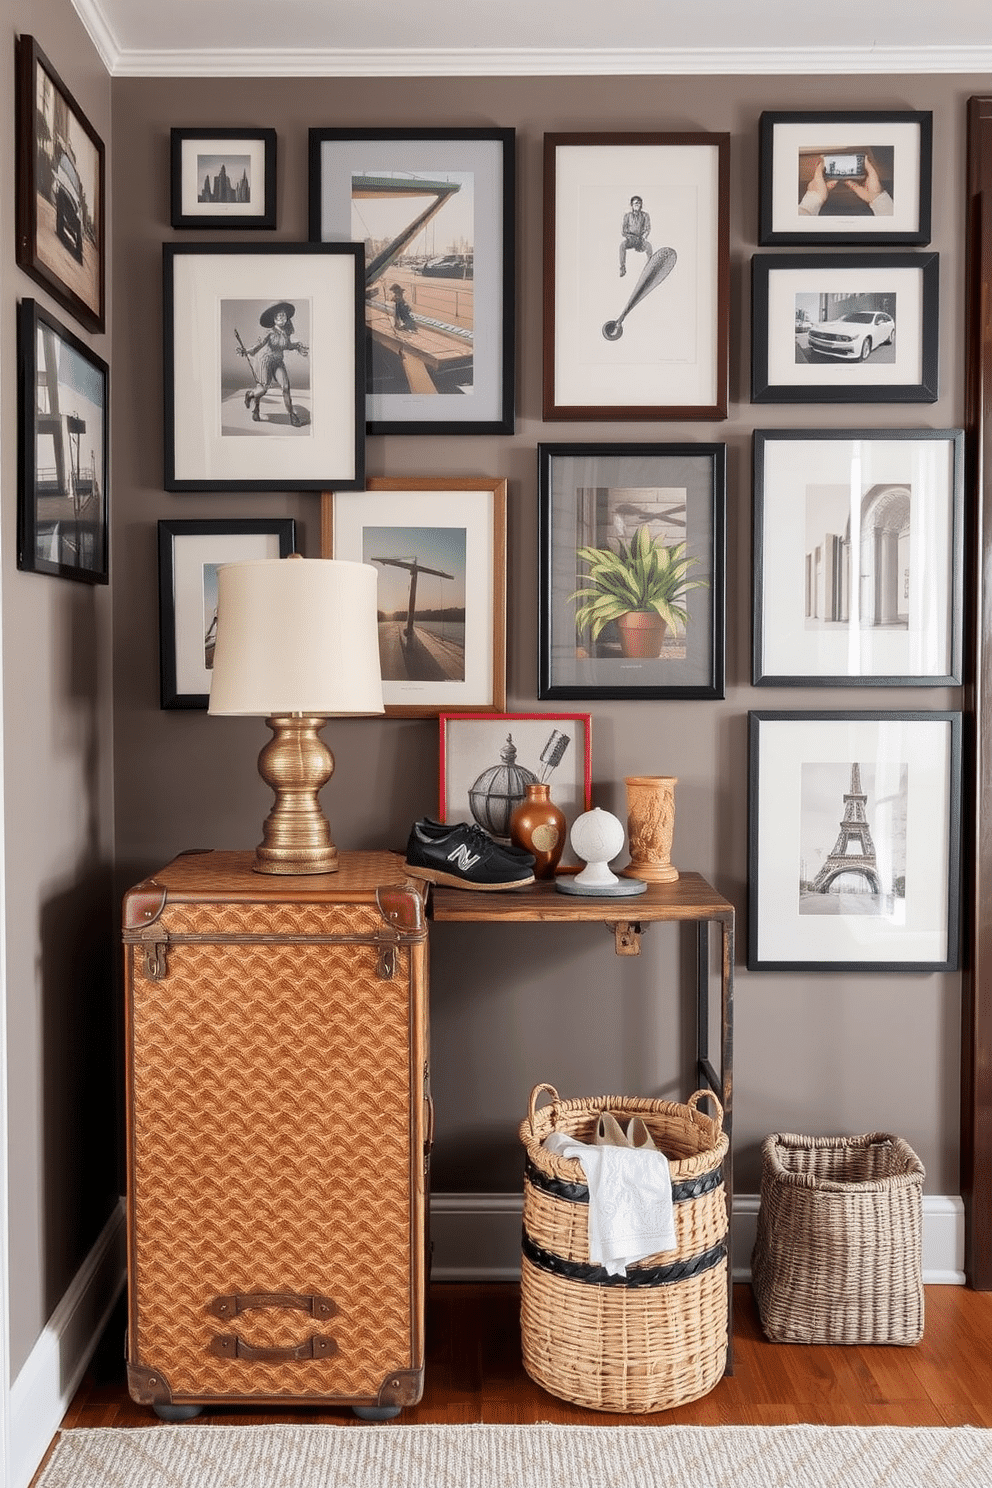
<point>858,390</point>
<point>224,221</point>
<point>548,688</point>
<point>505,139</point>
<point>721,329</point>
<point>877,234</point>
<point>29,60</point>
<point>954,804</point>
<point>284,528</point>
<point>955,541</point>
<point>31,316</point>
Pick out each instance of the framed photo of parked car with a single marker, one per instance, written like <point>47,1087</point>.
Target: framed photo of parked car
<point>264,366</point>
<point>636,276</point>
<point>63,451</point>
<point>843,178</point>
<point>61,192</point>
<point>223,178</point>
<point>632,564</point>
<point>858,544</point>
<point>844,327</point>
<point>190,551</point>
<point>435,211</point>
<point>854,841</point>
<point>439,546</point>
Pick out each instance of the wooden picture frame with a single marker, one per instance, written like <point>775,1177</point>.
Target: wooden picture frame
<point>435,209</point>
<point>63,523</point>
<point>61,190</point>
<point>223,179</point>
<point>443,649</point>
<point>636,326</point>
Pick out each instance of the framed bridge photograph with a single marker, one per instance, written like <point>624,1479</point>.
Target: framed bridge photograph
<point>854,841</point>
<point>439,547</point>
<point>434,209</point>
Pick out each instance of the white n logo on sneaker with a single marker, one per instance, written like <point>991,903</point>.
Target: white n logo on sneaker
<point>463,857</point>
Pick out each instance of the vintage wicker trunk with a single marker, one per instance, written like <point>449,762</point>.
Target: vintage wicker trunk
<point>279,1126</point>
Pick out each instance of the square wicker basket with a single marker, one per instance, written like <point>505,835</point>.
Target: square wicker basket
<point>838,1253</point>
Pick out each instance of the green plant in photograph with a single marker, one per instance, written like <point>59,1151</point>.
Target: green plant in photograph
<point>640,578</point>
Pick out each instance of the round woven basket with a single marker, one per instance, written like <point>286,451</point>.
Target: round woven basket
<point>657,1337</point>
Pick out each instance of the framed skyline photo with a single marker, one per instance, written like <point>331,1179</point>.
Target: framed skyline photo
<point>632,570</point>
<point>189,554</point>
<point>223,178</point>
<point>61,189</point>
<point>435,211</point>
<point>264,367</point>
<point>636,276</point>
<point>440,548</point>
<point>854,841</point>
<point>844,327</point>
<point>845,178</point>
<point>858,557</point>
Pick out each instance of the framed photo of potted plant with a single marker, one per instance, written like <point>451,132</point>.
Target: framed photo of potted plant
<point>854,841</point>
<point>632,570</point>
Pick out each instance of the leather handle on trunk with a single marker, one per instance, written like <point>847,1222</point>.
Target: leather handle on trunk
<point>313,1305</point>
<point>230,1346</point>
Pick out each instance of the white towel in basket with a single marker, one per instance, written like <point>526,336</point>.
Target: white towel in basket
<point>630,1201</point>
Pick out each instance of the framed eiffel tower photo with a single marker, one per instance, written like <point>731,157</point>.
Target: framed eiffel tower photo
<point>854,836</point>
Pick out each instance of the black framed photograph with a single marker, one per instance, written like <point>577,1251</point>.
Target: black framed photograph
<point>854,836</point>
<point>858,557</point>
<point>844,327</point>
<point>61,189</point>
<point>223,178</point>
<point>264,367</point>
<point>189,554</point>
<point>63,451</point>
<point>632,570</point>
<point>435,211</point>
<point>636,276</point>
<point>842,178</point>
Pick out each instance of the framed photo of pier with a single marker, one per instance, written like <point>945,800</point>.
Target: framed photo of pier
<point>845,178</point>
<point>264,367</point>
<point>632,570</point>
<point>434,209</point>
<point>440,549</point>
<point>223,178</point>
<point>190,551</point>
<point>63,451</point>
<point>61,189</point>
<point>854,841</point>
<point>636,276</point>
<point>858,557</point>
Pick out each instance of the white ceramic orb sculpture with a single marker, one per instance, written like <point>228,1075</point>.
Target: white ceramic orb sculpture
<point>597,836</point>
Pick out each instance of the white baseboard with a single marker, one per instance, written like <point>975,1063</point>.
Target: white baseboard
<point>477,1237</point>
<point>43,1390</point>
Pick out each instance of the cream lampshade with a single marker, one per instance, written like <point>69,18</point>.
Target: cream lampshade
<point>297,644</point>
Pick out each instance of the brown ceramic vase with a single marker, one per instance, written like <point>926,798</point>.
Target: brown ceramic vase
<point>538,826</point>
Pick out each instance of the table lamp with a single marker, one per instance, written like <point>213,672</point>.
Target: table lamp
<point>297,644</point>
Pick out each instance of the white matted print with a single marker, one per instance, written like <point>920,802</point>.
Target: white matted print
<point>854,841</point>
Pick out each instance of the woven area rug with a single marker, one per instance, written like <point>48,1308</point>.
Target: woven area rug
<point>199,1455</point>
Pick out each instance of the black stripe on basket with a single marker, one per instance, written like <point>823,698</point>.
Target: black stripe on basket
<point>648,1276</point>
<point>578,1193</point>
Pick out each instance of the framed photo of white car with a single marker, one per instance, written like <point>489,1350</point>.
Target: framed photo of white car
<point>844,327</point>
<point>858,544</point>
<point>845,178</point>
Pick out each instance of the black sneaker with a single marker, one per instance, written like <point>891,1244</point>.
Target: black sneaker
<point>435,829</point>
<point>465,857</point>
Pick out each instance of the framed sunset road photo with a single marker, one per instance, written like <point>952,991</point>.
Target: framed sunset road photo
<point>439,546</point>
<point>61,189</point>
<point>264,366</point>
<point>636,276</point>
<point>223,178</point>
<point>632,568</point>
<point>858,557</point>
<point>854,838</point>
<point>434,209</point>
<point>844,327</point>
<point>842,178</point>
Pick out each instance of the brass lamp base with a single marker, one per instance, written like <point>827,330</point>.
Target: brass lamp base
<point>296,764</point>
